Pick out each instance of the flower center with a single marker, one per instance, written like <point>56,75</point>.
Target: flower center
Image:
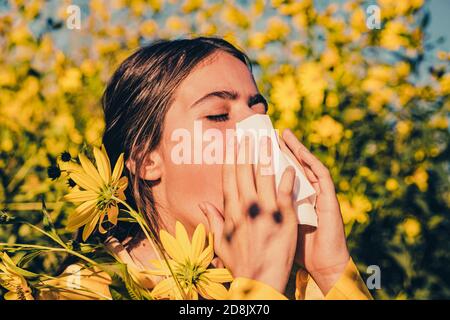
<point>105,197</point>
<point>189,274</point>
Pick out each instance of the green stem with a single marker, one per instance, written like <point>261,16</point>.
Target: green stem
<point>69,251</point>
<point>82,288</point>
<point>138,218</point>
<point>62,244</point>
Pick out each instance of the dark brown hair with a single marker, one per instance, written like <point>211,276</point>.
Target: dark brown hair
<point>137,99</point>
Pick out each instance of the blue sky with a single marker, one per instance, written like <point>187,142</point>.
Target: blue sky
<point>440,21</point>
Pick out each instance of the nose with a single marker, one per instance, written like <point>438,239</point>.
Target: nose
<point>242,111</point>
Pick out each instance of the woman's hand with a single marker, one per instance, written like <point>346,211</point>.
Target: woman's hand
<point>256,235</point>
<point>322,250</point>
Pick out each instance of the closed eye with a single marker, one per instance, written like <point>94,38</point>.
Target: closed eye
<point>219,117</point>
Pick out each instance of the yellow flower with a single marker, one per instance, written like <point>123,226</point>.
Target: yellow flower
<point>148,28</point>
<point>257,40</point>
<point>330,57</point>
<point>312,83</point>
<point>77,283</point>
<point>285,94</point>
<point>191,5</point>
<point>71,80</point>
<point>13,281</point>
<point>420,178</point>
<point>353,114</point>
<point>175,23</point>
<point>391,8</point>
<point>156,5</point>
<point>99,190</point>
<point>234,16</point>
<point>355,209</point>
<point>393,36</point>
<point>403,69</point>
<point>445,84</point>
<point>288,119</point>
<point>404,128</point>
<point>358,20</point>
<point>442,55</point>
<point>391,184</point>
<point>412,228</point>
<point>20,34</point>
<point>137,274</point>
<point>332,100</point>
<point>189,263</point>
<point>327,131</point>
<point>277,29</point>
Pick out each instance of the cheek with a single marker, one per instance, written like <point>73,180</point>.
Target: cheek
<point>190,184</point>
<point>186,185</point>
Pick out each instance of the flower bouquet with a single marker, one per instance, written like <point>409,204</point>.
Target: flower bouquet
<point>100,267</point>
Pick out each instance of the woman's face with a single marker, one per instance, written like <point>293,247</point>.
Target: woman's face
<point>183,186</point>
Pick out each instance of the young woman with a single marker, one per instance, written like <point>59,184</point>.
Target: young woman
<point>170,85</point>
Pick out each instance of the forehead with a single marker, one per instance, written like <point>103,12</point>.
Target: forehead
<point>220,71</point>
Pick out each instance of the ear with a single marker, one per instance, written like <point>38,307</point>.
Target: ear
<point>151,168</point>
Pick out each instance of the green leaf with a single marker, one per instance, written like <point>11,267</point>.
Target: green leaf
<point>28,258</point>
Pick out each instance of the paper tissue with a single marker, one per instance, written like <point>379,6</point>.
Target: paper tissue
<point>260,125</point>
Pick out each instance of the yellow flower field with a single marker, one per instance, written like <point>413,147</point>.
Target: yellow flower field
<point>372,104</point>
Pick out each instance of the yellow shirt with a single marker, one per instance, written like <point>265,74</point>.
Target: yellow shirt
<point>349,286</point>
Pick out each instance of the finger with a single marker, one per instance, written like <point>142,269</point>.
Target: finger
<point>216,224</point>
<point>229,181</point>
<point>244,173</point>
<point>303,167</point>
<point>284,197</point>
<point>310,174</point>
<point>303,154</point>
<point>289,154</point>
<point>265,177</point>
<point>217,263</point>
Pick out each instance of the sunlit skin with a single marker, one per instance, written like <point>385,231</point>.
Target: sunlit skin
<point>194,193</point>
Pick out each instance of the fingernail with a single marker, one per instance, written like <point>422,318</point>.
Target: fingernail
<point>288,130</point>
<point>291,169</point>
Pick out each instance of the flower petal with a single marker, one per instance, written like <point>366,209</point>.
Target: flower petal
<point>80,196</point>
<point>88,228</point>
<point>70,166</point>
<point>161,267</point>
<point>85,181</point>
<point>193,295</point>
<point>205,258</point>
<point>212,290</point>
<point>100,224</point>
<point>11,296</point>
<point>113,213</point>
<point>122,184</point>
<point>218,275</point>
<point>103,165</point>
<point>183,239</point>
<point>90,169</point>
<point>118,168</point>
<point>82,215</point>
<point>198,242</point>
<point>164,288</point>
<point>172,247</point>
<point>162,264</point>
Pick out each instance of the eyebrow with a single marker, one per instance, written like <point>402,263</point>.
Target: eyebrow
<point>232,95</point>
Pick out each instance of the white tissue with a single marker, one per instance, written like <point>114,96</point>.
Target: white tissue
<point>258,126</point>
